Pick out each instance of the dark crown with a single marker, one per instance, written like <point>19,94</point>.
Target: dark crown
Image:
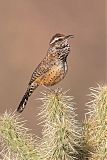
<point>57,37</point>
<point>60,37</point>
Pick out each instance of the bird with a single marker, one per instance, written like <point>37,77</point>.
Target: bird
<point>52,69</point>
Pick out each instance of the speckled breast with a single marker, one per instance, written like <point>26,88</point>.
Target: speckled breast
<point>53,76</point>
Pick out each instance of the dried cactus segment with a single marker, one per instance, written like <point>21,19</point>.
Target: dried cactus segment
<point>95,130</point>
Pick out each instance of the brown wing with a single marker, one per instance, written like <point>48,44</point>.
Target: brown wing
<point>43,67</point>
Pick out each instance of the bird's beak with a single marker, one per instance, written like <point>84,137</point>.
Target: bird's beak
<point>69,36</point>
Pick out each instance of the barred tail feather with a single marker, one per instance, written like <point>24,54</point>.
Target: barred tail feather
<point>22,103</point>
<point>25,98</point>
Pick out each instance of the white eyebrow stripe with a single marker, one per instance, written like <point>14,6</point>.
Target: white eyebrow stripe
<point>55,39</point>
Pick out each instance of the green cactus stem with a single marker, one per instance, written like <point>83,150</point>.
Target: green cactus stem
<point>15,138</point>
<point>61,132</point>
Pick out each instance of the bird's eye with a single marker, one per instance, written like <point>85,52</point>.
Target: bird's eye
<point>58,40</point>
<point>55,40</point>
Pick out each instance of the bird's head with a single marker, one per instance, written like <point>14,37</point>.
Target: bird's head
<point>60,41</point>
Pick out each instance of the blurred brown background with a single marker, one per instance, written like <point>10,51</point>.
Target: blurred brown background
<point>26,27</point>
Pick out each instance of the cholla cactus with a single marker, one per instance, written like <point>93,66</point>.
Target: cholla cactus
<point>8,155</point>
<point>95,131</point>
<point>17,143</point>
<point>62,139</point>
<point>61,133</point>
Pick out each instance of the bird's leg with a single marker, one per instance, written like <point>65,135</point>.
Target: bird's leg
<point>50,89</point>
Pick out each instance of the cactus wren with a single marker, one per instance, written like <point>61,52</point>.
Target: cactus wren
<point>52,68</point>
